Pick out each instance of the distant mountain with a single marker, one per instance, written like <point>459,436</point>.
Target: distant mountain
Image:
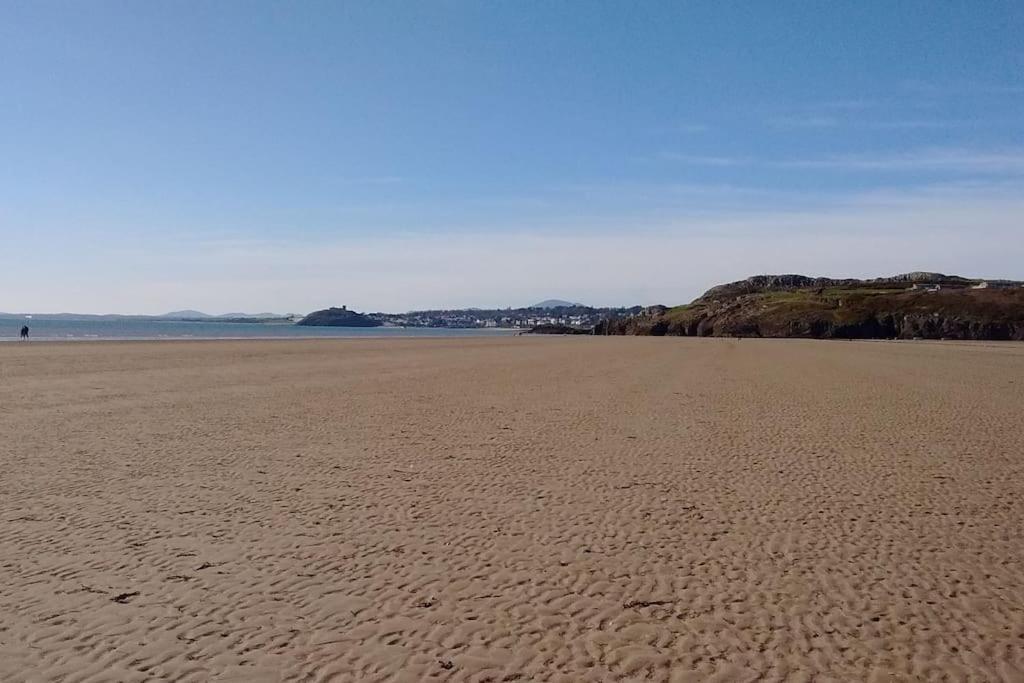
<point>178,315</point>
<point>338,317</point>
<point>199,315</point>
<point>913,305</point>
<point>554,303</point>
<point>251,315</point>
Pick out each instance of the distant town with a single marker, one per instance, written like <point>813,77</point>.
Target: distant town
<point>526,318</point>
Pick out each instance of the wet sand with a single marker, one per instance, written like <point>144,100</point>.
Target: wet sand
<point>523,509</point>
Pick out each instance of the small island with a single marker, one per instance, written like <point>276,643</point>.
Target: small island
<point>338,317</point>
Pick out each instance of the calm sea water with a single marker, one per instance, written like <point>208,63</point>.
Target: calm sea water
<point>42,328</point>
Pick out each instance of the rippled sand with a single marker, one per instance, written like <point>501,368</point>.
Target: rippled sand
<point>515,509</point>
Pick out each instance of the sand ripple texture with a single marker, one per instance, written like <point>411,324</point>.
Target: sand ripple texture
<point>559,509</point>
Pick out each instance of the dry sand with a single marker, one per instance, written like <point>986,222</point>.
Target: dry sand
<point>512,510</point>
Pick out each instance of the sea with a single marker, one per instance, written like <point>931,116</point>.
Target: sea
<point>42,328</point>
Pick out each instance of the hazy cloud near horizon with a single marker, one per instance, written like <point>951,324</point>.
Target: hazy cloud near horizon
<point>959,231</point>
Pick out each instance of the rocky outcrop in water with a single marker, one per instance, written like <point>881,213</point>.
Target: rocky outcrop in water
<point>338,317</point>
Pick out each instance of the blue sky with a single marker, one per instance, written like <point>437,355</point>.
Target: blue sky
<point>386,155</point>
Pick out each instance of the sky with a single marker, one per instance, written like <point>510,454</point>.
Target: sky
<point>280,156</point>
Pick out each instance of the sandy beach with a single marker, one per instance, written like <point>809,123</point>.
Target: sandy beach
<point>519,509</point>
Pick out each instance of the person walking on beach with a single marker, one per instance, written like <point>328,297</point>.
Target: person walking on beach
<point>24,332</point>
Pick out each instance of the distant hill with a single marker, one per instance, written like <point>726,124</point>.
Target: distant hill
<point>178,315</point>
<point>554,303</point>
<point>913,305</point>
<point>199,315</point>
<point>263,316</point>
<point>338,317</point>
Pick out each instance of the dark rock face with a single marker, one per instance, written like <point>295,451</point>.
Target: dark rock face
<point>559,329</point>
<point>914,305</point>
<point>338,317</point>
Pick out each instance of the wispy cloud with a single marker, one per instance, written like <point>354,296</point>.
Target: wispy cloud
<point>917,111</point>
<point>706,160</point>
<point>835,120</point>
<point>810,121</point>
<point>963,88</point>
<point>847,105</point>
<point>369,180</point>
<point>999,161</point>
<point>912,124</point>
<point>693,128</point>
<point>938,159</point>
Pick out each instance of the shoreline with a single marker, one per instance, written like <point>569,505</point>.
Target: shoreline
<point>502,334</point>
<point>469,333</point>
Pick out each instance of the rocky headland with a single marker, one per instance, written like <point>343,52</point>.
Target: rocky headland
<point>909,306</point>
